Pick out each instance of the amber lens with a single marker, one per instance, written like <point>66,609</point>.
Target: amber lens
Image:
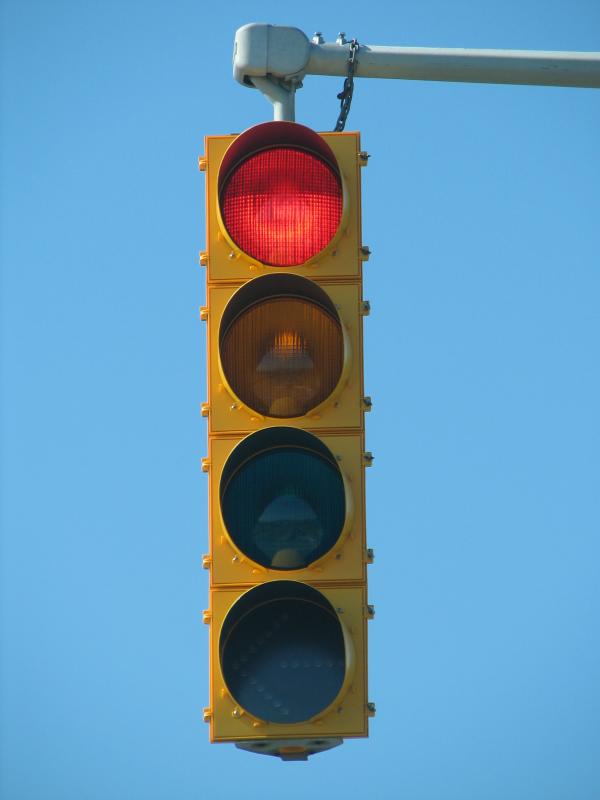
<point>283,356</point>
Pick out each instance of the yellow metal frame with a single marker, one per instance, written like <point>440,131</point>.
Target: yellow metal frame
<point>342,409</point>
<point>347,716</point>
<point>338,422</point>
<point>346,561</point>
<point>340,259</point>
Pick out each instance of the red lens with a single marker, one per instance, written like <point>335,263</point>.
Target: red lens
<point>282,206</point>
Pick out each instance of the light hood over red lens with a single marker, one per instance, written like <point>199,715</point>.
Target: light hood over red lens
<point>281,195</point>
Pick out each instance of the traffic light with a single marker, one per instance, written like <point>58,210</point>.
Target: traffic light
<point>286,453</point>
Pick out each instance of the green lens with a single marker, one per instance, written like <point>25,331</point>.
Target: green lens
<point>284,506</point>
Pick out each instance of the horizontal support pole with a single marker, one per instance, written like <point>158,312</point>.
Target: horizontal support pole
<point>286,55</point>
<point>539,68</point>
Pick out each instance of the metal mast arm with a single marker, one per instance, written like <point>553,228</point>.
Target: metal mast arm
<point>540,68</point>
<point>284,55</point>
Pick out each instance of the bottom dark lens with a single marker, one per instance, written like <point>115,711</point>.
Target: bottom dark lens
<point>282,652</point>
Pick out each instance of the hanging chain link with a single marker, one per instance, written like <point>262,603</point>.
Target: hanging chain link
<point>345,96</point>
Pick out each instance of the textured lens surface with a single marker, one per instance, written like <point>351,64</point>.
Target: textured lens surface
<point>282,206</point>
<point>283,356</point>
<point>284,661</point>
<point>285,507</point>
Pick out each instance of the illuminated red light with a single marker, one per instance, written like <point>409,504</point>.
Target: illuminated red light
<point>282,205</point>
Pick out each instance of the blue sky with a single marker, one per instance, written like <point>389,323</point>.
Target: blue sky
<point>481,207</point>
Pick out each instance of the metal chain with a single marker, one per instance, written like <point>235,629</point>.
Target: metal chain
<point>345,96</point>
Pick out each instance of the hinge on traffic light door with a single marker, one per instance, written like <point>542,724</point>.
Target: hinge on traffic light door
<point>367,403</point>
<point>206,616</point>
<point>368,458</point>
<point>204,409</point>
<point>365,308</point>
<point>363,253</point>
<point>363,158</point>
<point>371,709</point>
<point>253,417</point>
<point>370,556</point>
<point>205,464</point>
<point>206,714</point>
<point>202,163</point>
<point>203,258</point>
<point>254,570</point>
<point>206,562</point>
<point>204,313</point>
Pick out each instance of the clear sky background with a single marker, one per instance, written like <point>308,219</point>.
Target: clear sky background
<point>481,205</point>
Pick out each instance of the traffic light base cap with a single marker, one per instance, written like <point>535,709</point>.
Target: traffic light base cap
<point>290,749</point>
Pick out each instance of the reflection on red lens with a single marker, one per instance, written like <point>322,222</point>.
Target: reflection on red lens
<point>282,206</point>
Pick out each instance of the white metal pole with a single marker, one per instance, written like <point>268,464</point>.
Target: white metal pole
<point>539,68</point>
<point>280,96</point>
<point>276,58</point>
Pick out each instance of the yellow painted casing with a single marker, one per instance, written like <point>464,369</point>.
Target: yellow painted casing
<point>346,717</point>
<point>341,410</point>
<point>345,562</point>
<point>337,422</point>
<point>342,259</point>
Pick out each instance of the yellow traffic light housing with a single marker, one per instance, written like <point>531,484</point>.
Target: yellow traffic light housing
<point>288,663</point>
<point>287,548</point>
<point>318,235</point>
<point>302,363</point>
<point>257,479</point>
